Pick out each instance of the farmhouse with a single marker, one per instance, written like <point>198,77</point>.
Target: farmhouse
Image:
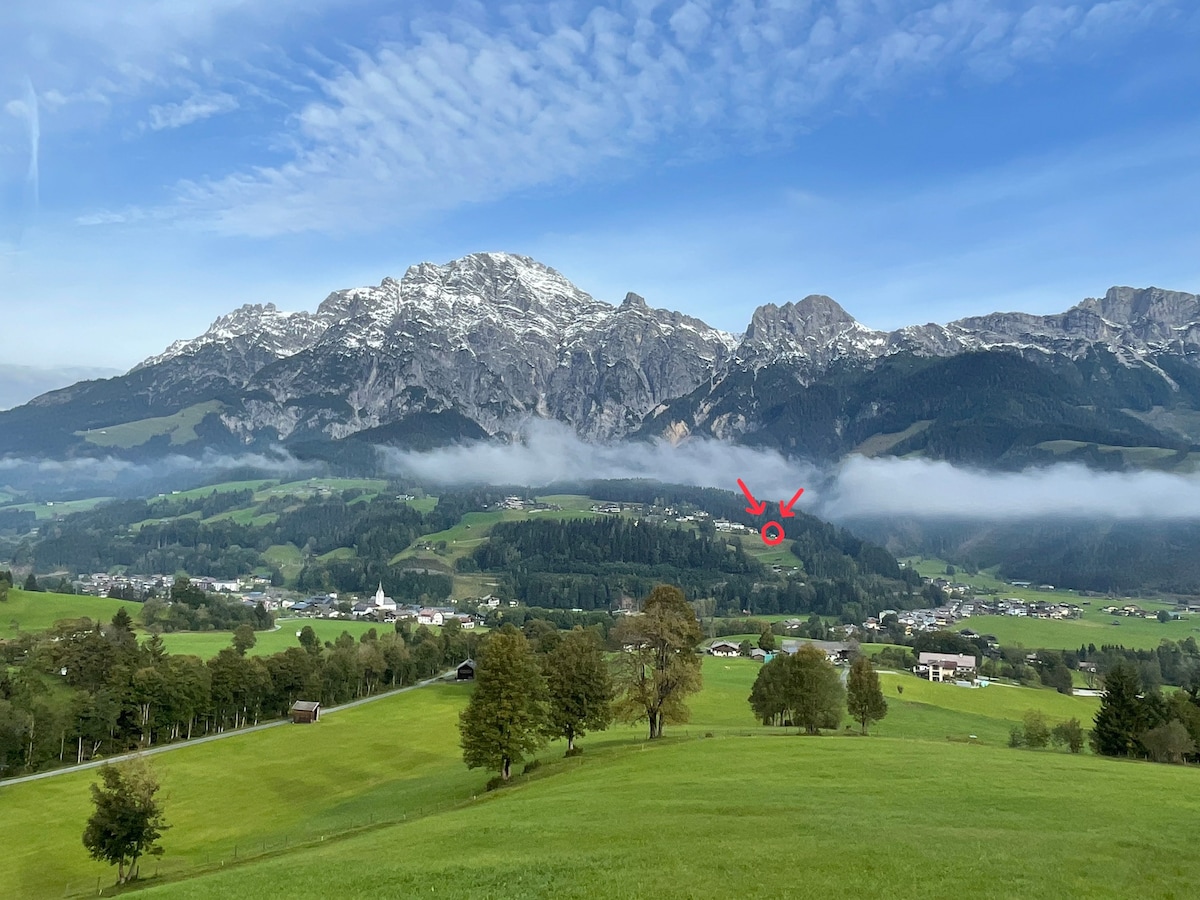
<point>304,711</point>
<point>836,651</point>
<point>945,666</point>
<point>724,648</point>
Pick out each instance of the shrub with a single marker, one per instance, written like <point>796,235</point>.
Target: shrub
<point>1037,733</point>
<point>574,751</point>
<point>532,766</point>
<point>1069,733</point>
<point>493,783</point>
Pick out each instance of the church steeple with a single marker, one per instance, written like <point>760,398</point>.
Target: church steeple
<point>379,595</point>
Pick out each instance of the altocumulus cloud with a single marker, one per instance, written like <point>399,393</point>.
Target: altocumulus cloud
<point>469,106</point>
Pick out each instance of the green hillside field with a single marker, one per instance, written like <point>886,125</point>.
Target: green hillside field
<point>37,611</point>
<point>918,808</point>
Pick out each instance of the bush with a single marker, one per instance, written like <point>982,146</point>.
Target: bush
<point>1037,734</point>
<point>532,766</point>
<point>1069,733</point>
<point>574,751</point>
<point>493,783</point>
<point>1016,737</point>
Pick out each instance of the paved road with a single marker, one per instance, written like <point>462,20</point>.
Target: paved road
<point>213,737</point>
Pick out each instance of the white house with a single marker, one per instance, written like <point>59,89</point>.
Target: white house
<point>724,648</point>
<point>430,617</point>
<point>945,666</point>
<point>489,601</point>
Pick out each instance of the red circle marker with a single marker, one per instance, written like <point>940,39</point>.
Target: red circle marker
<point>771,542</point>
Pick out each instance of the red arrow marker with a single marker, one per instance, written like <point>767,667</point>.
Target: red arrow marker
<point>785,509</point>
<point>756,508</point>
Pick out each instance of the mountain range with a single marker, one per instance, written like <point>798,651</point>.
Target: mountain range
<point>478,347</point>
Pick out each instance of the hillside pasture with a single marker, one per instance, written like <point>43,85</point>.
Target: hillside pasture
<point>180,426</point>
<point>207,644</point>
<point>472,530</point>
<point>795,801</point>
<point>56,509</point>
<point>708,817</point>
<point>38,610</point>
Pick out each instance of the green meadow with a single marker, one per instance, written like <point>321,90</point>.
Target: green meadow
<point>180,427</point>
<point>57,509</point>
<point>472,530</point>
<point>206,644</point>
<point>1094,628</point>
<point>720,804</point>
<point>37,610</point>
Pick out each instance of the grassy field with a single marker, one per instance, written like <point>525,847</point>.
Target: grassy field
<point>37,611</point>
<point>60,508</point>
<point>206,644</point>
<point>1094,627</point>
<point>698,816</point>
<point>721,817</point>
<point>381,761</point>
<point>473,529</point>
<point>181,427</point>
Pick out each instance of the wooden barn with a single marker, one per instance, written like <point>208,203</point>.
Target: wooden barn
<point>305,711</point>
<point>466,671</point>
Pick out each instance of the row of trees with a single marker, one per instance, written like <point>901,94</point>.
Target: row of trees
<point>85,689</point>
<point>804,690</point>
<point>523,699</point>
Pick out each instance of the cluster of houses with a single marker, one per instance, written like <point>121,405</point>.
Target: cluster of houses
<point>101,584</point>
<point>379,608</point>
<point>957,668</point>
<point>1129,609</point>
<point>957,609</point>
<point>838,652</point>
<point>520,503</point>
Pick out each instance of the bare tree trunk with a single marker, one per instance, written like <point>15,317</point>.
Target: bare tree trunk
<point>507,770</point>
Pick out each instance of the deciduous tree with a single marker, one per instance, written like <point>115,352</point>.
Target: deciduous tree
<point>244,638</point>
<point>505,719</point>
<point>580,687</point>
<point>864,696</point>
<point>817,689</point>
<point>128,819</point>
<point>659,668</point>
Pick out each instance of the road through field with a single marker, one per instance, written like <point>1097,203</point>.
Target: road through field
<point>95,763</point>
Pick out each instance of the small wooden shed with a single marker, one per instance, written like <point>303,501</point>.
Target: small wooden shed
<point>466,671</point>
<point>305,711</point>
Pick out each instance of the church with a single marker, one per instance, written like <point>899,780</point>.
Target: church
<point>387,604</point>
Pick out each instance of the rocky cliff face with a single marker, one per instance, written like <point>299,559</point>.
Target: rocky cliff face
<point>495,339</point>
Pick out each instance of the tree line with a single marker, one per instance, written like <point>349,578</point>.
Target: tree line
<point>85,689</point>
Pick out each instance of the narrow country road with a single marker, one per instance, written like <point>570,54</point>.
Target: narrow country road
<point>95,763</point>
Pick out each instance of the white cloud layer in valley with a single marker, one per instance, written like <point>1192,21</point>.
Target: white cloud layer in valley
<point>857,488</point>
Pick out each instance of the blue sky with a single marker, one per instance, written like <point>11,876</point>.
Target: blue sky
<point>162,163</point>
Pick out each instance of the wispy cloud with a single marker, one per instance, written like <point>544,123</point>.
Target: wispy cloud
<point>466,110</point>
<point>27,109</point>
<point>193,109</point>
